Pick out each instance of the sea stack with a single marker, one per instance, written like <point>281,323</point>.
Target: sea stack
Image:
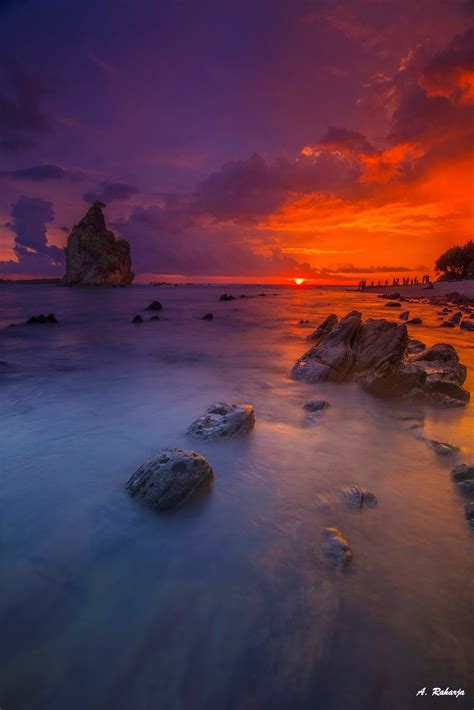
<point>94,257</point>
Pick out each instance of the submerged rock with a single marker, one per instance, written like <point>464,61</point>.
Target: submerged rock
<point>393,304</point>
<point>223,420</point>
<point>316,405</point>
<point>405,315</point>
<point>169,478</point>
<point>94,257</point>
<point>446,324</point>
<point>466,325</point>
<point>208,316</point>
<point>378,354</point>
<point>335,545</point>
<point>440,447</point>
<point>414,321</point>
<point>137,319</point>
<point>226,297</point>
<point>154,306</point>
<point>154,318</point>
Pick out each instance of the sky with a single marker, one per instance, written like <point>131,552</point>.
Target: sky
<point>258,140</point>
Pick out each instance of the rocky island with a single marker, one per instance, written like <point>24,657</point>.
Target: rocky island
<point>94,257</point>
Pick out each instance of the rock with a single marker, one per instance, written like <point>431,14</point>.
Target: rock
<point>223,420</point>
<point>393,304</point>
<point>463,472</point>
<point>332,358</point>
<point>336,545</point>
<point>405,315</point>
<point>137,319</point>
<point>414,321</point>
<point>356,496</point>
<point>208,316</point>
<point>440,447</point>
<point>415,346</point>
<point>470,510</point>
<point>324,328</point>
<point>378,354</point>
<point>226,297</point>
<point>94,257</point>
<point>393,296</point>
<point>154,318</point>
<point>154,306</point>
<point>456,318</point>
<point>169,478</point>
<point>263,294</point>
<point>466,325</point>
<point>459,298</point>
<point>316,405</point>
<point>446,324</point>
<point>50,318</point>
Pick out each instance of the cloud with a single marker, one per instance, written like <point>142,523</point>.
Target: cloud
<point>29,217</point>
<point>42,173</point>
<point>23,121</point>
<point>109,192</point>
<point>351,269</point>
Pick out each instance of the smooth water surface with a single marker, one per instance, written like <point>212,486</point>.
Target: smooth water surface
<point>228,602</point>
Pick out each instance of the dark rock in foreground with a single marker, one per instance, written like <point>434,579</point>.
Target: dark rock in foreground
<point>379,355</point>
<point>169,478</point>
<point>335,545</point>
<point>223,420</point>
<point>154,306</point>
<point>93,256</point>
<point>50,318</point>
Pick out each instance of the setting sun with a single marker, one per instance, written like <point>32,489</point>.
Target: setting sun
<point>298,282</point>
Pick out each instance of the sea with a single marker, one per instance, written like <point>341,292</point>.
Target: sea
<point>228,602</point>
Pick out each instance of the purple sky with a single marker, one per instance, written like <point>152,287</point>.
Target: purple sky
<point>189,120</point>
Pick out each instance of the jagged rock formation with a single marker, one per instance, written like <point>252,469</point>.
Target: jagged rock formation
<point>94,257</point>
<point>377,354</point>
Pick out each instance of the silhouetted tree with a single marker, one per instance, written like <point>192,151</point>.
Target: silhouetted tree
<point>456,263</point>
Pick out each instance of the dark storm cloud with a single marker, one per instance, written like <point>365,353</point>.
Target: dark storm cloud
<point>23,119</point>
<point>29,217</point>
<point>344,140</point>
<point>109,192</point>
<point>42,173</point>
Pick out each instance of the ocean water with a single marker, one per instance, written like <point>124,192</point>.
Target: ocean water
<point>227,602</point>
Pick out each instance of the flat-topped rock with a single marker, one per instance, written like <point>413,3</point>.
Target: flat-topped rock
<point>169,478</point>
<point>223,420</point>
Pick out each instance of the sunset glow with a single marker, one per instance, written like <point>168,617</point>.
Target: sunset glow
<point>298,282</point>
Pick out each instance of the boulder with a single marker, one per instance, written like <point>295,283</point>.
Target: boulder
<point>335,545</point>
<point>226,297</point>
<point>414,321</point>
<point>208,316</point>
<point>154,306</point>
<point>378,354</point>
<point>405,315</point>
<point>169,478</point>
<point>316,405</point>
<point>94,257</point>
<point>393,304</point>
<point>466,325</point>
<point>223,420</point>
<point>324,327</point>
<point>137,319</point>
<point>446,324</point>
